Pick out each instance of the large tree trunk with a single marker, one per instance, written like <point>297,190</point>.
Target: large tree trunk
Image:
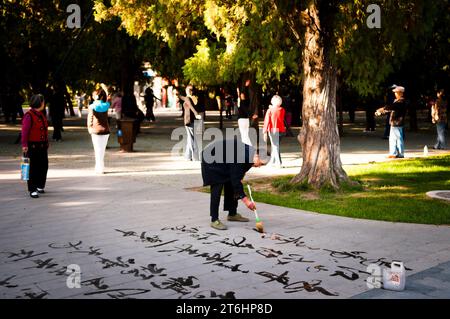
<point>319,137</point>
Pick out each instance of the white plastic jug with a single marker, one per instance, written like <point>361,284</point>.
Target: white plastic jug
<point>394,278</point>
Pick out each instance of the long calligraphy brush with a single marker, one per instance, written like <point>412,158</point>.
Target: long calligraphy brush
<point>259,223</point>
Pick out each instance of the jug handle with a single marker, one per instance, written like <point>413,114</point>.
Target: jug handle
<point>396,264</point>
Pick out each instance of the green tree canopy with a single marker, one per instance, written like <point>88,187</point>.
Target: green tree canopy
<point>37,46</point>
<point>317,39</point>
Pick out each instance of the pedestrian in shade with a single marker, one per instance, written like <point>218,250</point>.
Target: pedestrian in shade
<point>56,110</point>
<point>149,99</point>
<point>439,117</point>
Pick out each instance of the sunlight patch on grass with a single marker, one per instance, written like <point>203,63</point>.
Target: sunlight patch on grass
<point>393,188</point>
<point>389,191</point>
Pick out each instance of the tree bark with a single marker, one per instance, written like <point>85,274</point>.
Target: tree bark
<point>319,137</point>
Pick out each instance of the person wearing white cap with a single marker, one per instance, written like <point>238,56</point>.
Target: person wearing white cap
<point>397,111</point>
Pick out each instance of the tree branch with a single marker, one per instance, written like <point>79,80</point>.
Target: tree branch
<point>290,21</point>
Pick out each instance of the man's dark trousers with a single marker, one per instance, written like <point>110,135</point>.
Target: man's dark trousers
<point>230,201</point>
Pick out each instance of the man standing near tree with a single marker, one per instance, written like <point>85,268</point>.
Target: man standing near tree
<point>397,112</point>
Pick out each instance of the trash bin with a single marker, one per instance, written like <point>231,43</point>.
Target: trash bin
<point>127,138</point>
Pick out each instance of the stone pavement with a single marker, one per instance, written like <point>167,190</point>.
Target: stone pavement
<point>432,283</point>
<point>138,232</point>
<point>135,239</point>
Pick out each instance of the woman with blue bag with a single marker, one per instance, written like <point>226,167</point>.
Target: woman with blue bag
<point>35,145</point>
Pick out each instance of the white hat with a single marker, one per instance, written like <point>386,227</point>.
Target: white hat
<point>398,89</point>
<point>276,100</point>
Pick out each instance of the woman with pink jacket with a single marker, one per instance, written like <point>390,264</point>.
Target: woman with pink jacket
<point>275,128</point>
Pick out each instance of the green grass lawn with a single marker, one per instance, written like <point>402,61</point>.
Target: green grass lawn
<point>391,191</point>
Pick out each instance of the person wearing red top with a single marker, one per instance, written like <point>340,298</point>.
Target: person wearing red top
<point>274,127</point>
<point>35,144</point>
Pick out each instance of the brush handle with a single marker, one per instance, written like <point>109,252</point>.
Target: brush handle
<point>251,198</point>
<point>250,192</point>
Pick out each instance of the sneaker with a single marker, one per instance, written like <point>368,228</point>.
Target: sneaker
<point>218,225</point>
<point>40,190</point>
<point>392,156</point>
<point>34,195</point>
<point>237,218</point>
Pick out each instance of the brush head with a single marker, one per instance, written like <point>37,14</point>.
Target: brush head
<point>260,227</point>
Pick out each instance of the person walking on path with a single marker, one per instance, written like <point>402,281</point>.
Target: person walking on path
<point>149,99</point>
<point>287,105</point>
<point>220,171</point>
<point>116,105</point>
<point>56,110</point>
<point>190,115</point>
<point>243,118</point>
<point>79,97</point>
<point>397,112</point>
<point>35,144</point>
<point>370,115</point>
<point>98,127</point>
<point>274,127</point>
<point>229,104</point>
<point>439,117</point>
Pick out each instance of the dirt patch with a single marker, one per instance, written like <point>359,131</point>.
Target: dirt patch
<point>310,195</point>
<point>266,187</point>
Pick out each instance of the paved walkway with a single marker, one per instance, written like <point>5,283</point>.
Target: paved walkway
<point>433,283</point>
<point>138,232</point>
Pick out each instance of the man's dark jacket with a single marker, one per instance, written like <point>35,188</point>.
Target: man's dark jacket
<point>237,159</point>
<point>398,112</point>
